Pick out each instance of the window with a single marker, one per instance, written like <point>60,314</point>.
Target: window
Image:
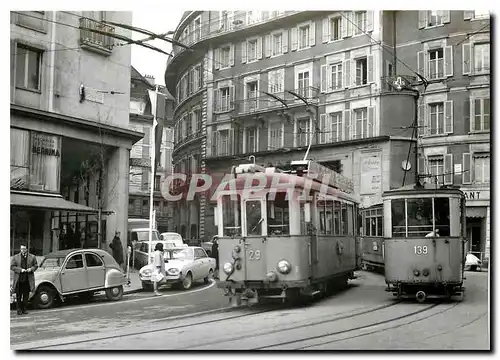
<point>436,169</point>
<point>303,82</point>
<point>276,81</point>
<point>226,23</point>
<point>278,218</point>
<point>413,219</point>
<point>251,139</point>
<point>224,94</point>
<point>303,37</point>
<point>481,170</point>
<point>224,57</point>
<point>197,29</point>
<point>436,112</point>
<point>275,136</point>
<point>131,206</point>
<point>224,143</point>
<point>336,72</point>
<point>373,222</point>
<point>481,58</point>
<point>93,260</point>
<point>481,14</point>
<point>362,127</point>
<point>277,44</point>
<point>336,127</point>
<point>252,50</point>
<point>335,28</point>
<point>434,17</point>
<point>361,71</point>
<point>481,115</point>
<point>254,217</point>
<point>436,64</point>
<point>197,78</point>
<point>360,21</point>
<point>157,182</point>
<point>75,262</point>
<point>303,130</point>
<point>28,63</point>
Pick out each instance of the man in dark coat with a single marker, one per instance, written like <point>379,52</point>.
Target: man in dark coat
<point>215,255</point>
<point>116,246</point>
<point>24,266</point>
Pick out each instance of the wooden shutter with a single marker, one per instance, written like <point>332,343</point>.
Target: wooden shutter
<point>347,125</point>
<point>466,58</point>
<point>421,120</point>
<point>466,168</point>
<point>448,61</point>
<point>217,59</point>
<point>231,55</point>
<point>268,46</point>
<point>346,69</point>
<point>343,25</point>
<point>326,30</point>
<point>427,122</point>
<point>295,40</point>
<point>446,16</point>
<point>468,15</point>
<point>349,24</point>
<point>285,41</point>
<point>312,33</point>
<point>448,116</point>
<point>371,121</point>
<point>370,68</point>
<point>448,169</point>
<point>231,97</point>
<point>370,19</point>
<point>200,74</point>
<point>322,128</point>
<point>323,78</point>
<point>232,143</point>
<point>217,99</point>
<point>422,19</point>
<point>259,47</point>
<point>472,113</point>
<point>215,136</point>
<point>244,52</point>
<point>421,63</point>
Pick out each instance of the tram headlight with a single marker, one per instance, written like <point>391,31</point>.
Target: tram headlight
<point>284,266</point>
<point>416,272</point>
<point>228,268</point>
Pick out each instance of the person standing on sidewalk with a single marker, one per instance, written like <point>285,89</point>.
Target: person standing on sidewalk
<point>215,255</point>
<point>116,246</point>
<point>24,265</point>
<point>158,267</point>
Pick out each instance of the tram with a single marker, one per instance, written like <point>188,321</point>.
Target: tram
<point>424,241</point>
<point>293,237</point>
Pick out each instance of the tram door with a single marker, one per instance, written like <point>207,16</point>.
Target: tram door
<point>255,252</point>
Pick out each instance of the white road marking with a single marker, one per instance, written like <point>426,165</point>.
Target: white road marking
<point>78,308</point>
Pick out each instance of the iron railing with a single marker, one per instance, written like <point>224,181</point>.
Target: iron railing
<point>94,39</point>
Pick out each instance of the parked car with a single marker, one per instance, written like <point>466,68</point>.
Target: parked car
<point>141,251</point>
<point>173,238</point>
<point>80,272</point>
<point>207,245</point>
<point>472,263</point>
<point>183,266</point>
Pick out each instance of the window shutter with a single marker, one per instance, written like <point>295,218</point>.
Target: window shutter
<point>466,168</point>
<point>346,68</point>
<point>326,30</point>
<point>217,99</point>
<point>295,40</point>
<point>370,19</point>
<point>268,46</point>
<point>448,60</point>
<point>369,61</point>
<point>446,16</point>
<point>349,23</point>
<point>347,125</point>
<point>466,58</point>
<point>259,47</point>
<point>231,97</point>
<point>421,120</point>
<point>312,33</point>
<point>216,59</point>
<point>232,143</point>
<point>231,55</point>
<point>371,121</point>
<point>285,41</point>
<point>214,143</point>
<point>448,169</point>
<point>427,125</point>
<point>421,63</point>
<point>323,78</point>
<point>448,116</point>
<point>472,113</point>
<point>244,52</point>
<point>200,74</point>
<point>468,15</point>
<point>422,19</point>
<point>322,128</point>
<point>343,25</point>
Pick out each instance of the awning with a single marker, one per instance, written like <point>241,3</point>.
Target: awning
<point>475,211</point>
<point>56,203</point>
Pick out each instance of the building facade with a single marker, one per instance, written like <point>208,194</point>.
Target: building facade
<point>141,119</point>
<point>269,83</point>
<point>69,133</point>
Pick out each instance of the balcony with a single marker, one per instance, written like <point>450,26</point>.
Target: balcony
<point>96,41</point>
<point>267,103</point>
<point>187,139</point>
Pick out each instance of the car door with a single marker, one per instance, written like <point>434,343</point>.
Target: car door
<point>142,254</point>
<point>205,262</point>
<point>74,275</point>
<point>96,271</point>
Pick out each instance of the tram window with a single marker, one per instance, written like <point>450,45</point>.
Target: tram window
<point>303,224</point>
<point>324,208</point>
<point>373,222</point>
<point>350,219</point>
<point>254,217</point>
<point>278,219</point>
<point>398,218</point>
<point>442,216</point>
<point>231,216</point>
<point>345,220</point>
<point>419,217</point>
<point>336,218</point>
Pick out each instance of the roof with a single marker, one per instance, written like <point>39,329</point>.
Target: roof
<point>64,253</point>
<point>49,202</point>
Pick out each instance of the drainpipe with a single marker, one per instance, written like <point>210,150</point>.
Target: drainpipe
<point>52,61</point>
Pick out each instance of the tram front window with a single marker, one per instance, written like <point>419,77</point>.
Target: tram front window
<point>254,218</point>
<point>231,216</point>
<point>398,215</point>
<point>442,214</point>
<point>277,214</point>
<point>419,217</point>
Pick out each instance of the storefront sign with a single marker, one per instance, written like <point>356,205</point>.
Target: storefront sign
<point>371,174</point>
<point>45,144</point>
<point>476,194</point>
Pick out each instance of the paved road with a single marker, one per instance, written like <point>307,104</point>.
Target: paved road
<point>364,317</point>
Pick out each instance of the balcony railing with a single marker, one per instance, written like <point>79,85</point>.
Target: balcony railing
<point>266,103</point>
<point>187,138</point>
<point>96,40</point>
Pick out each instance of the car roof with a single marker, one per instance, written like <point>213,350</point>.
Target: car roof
<point>66,252</point>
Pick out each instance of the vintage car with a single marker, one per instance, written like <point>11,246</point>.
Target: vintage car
<point>472,263</point>
<point>80,272</point>
<point>142,250</point>
<point>183,266</point>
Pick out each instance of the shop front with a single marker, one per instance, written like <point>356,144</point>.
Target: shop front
<point>478,221</point>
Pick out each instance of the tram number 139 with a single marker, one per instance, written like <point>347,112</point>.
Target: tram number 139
<point>254,255</point>
<point>420,250</point>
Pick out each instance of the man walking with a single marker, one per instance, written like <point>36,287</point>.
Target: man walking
<point>24,265</point>
<point>116,246</point>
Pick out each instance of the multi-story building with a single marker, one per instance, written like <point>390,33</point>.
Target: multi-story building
<point>451,49</point>
<point>141,119</point>
<point>69,133</point>
<point>270,83</point>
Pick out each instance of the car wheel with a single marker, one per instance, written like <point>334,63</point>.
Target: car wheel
<point>114,293</point>
<point>86,296</point>
<point>209,277</point>
<point>147,286</point>
<point>187,282</point>
<point>44,297</point>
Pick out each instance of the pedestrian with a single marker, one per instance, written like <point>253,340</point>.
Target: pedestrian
<point>24,266</point>
<point>215,255</point>
<point>116,246</point>
<point>158,273</point>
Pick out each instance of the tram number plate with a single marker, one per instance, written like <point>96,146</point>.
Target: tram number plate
<point>420,250</point>
<point>254,255</point>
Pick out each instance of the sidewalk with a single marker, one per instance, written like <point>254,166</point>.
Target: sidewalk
<point>135,283</point>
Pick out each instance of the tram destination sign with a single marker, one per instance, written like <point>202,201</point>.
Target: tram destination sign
<point>318,172</point>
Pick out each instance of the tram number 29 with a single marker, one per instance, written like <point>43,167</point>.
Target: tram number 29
<point>254,255</point>
<point>420,250</point>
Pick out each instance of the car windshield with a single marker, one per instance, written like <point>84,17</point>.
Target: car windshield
<point>51,263</point>
<point>144,235</point>
<point>182,254</point>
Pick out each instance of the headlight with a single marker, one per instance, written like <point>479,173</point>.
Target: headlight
<point>173,271</point>
<point>228,268</point>
<point>146,272</point>
<point>284,266</point>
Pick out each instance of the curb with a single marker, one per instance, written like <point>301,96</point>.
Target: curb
<point>132,291</point>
